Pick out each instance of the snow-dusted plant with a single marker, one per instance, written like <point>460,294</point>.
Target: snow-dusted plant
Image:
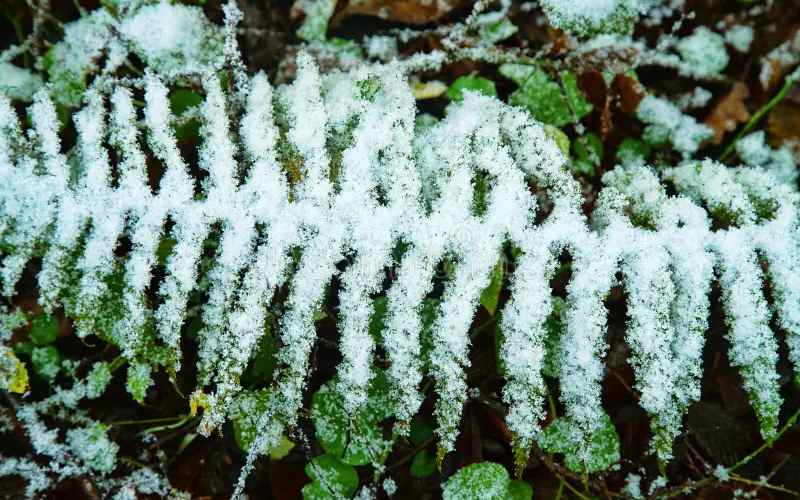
<point>327,178</point>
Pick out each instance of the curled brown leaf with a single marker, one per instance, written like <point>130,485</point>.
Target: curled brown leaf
<point>401,11</point>
<point>729,112</point>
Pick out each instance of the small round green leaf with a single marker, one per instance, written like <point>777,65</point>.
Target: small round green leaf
<point>423,465</point>
<point>46,361</point>
<point>44,329</point>
<point>335,476</point>
<point>485,480</point>
<point>474,83</point>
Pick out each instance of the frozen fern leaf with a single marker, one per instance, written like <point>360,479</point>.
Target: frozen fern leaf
<point>326,180</point>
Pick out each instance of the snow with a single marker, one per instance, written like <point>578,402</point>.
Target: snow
<point>722,473</point>
<point>740,37</point>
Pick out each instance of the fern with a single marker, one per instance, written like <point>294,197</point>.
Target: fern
<point>326,178</point>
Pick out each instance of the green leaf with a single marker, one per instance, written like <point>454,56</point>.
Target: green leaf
<point>334,476</point>
<point>517,73</point>
<point>475,83</point>
<point>555,326</point>
<point>358,438</point>
<point>315,24</point>
<point>561,139</point>
<point>315,491</point>
<point>97,380</point>
<point>498,31</point>
<point>588,154</point>
<point>377,321</point>
<point>544,97</point>
<point>282,449</point>
<point>631,150</point>
<point>423,465</point>
<point>485,480</point>
<point>575,98</point>
<point>181,100</point>
<point>491,294</point>
<point>245,414</point>
<point>603,449</point>
<point>44,329</point>
<point>421,431</point>
<point>46,362</point>
<point>520,490</point>
<point>139,380</point>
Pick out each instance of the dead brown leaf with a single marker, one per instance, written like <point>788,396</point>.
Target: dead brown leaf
<point>595,89</point>
<point>729,112</point>
<point>628,91</point>
<point>784,120</point>
<point>401,11</point>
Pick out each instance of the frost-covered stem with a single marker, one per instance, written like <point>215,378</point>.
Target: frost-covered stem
<point>651,335</point>
<point>174,193</point>
<point>233,56</point>
<point>54,165</point>
<point>692,273</point>
<point>753,347</point>
<point>522,349</point>
<point>97,261</point>
<point>403,327</point>
<point>583,344</point>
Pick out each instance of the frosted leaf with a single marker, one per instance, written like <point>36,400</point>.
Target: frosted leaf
<point>330,178</point>
<point>36,477</point>
<point>70,61</point>
<point>174,39</point>
<point>740,37</point>
<point>754,349</point>
<point>704,51</point>
<point>589,17</point>
<point>754,151</point>
<point>667,123</point>
<point>315,24</point>
<point>484,481</point>
<point>97,380</point>
<point>18,83</point>
<point>92,446</point>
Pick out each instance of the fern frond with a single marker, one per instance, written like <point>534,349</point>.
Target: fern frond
<point>327,177</point>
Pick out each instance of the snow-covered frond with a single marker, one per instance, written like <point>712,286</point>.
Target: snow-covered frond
<point>322,181</point>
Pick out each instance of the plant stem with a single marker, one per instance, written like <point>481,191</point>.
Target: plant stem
<point>560,489</point>
<point>767,444</point>
<point>788,83</point>
<point>763,484</point>
<point>149,421</point>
